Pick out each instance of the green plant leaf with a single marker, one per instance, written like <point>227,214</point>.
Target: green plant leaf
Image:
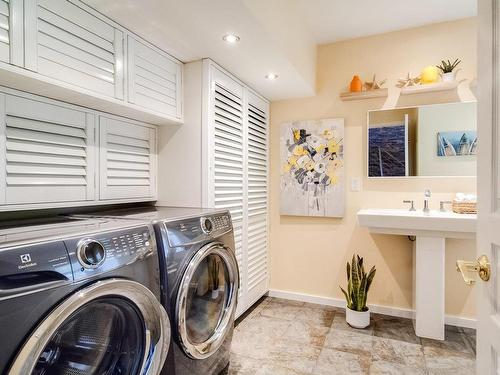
<point>355,274</point>
<point>361,296</point>
<point>348,271</point>
<point>347,299</point>
<point>370,277</point>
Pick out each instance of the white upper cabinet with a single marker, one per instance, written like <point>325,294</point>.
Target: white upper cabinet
<point>69,43</point>
<point>127,162</point>
<point>46,152</point>
<point>154,78</point>
<point>65,50</point>
<point>11,31</point>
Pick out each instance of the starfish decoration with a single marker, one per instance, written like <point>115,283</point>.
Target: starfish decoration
<point>408,81</point>
<point>374,84</point>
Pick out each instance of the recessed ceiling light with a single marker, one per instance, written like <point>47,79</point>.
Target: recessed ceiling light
<point>231,38</point>
<point>271,76</point>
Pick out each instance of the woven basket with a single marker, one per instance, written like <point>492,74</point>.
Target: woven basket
<point>464,207</point>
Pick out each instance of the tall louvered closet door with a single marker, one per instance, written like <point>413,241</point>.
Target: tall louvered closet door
<point>11,31</point>
<point>127,156</point>
<point>257,111</point>
<point>46,152</point>
<point>227,167</point>
<point>73,44</point>
<point>236,138</point>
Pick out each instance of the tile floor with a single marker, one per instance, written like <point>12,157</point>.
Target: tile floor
<point>286,337</point>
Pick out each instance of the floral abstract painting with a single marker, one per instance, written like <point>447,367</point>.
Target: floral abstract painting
<point>312,168</point>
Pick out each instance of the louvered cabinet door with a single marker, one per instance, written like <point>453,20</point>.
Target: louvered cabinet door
<point>127,160</point>
<point>11,31</point>
<point>48,152</point>
<point>72,44</point>
<point>154,79</point>
<point>257,117</point>
<point>227,160</point>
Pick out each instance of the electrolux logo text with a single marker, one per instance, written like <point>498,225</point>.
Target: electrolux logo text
<point>26,261</point>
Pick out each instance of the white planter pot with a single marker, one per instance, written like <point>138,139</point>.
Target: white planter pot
<point>357,319</point>
<point>448,77</point>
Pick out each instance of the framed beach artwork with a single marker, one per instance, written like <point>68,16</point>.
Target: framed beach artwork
<point>312,168</point>
<point>457,143</point>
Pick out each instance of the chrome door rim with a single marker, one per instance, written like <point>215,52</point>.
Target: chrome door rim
<point>209,346</point>
<point>156,324</point>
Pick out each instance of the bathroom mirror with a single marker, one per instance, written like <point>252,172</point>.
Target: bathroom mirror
<point>430,140</point>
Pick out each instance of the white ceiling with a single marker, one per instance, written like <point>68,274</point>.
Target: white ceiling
<point>334,20</point>
<point>277,36</point>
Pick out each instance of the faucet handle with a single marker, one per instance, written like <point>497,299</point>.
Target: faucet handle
<point>427,193</point>
<point>441,205</point>
<point>412,208</point>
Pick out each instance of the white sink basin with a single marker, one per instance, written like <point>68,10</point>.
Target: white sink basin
<point>418,223</point>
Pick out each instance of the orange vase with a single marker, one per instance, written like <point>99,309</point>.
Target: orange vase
<point>356,84</point>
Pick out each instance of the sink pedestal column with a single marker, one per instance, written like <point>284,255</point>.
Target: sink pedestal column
<point>428,286</point>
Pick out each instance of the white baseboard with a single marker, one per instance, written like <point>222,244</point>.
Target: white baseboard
<point>378,309</point>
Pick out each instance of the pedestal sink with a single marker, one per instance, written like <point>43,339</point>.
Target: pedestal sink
<point>430,230</point>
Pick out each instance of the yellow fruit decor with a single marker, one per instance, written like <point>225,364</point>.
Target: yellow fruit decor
<point>430,74</point>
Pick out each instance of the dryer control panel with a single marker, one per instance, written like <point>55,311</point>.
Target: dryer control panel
<point>102,252</point>
<point>198,229</point>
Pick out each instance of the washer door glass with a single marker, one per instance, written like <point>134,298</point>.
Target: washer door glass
<point>207,298</point>
<point>105,336</point>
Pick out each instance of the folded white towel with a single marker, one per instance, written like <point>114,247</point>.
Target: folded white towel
<point>461,197</point>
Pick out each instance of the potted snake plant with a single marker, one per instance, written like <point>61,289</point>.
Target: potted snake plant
<point>358,285</point>
<point>448,71</point>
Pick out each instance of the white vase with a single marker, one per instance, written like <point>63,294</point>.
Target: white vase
<point>448,77</point>
<point>357,319</point>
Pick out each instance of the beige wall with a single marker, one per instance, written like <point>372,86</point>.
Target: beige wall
<point>308,255</point>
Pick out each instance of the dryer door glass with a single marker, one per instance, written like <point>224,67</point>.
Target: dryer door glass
<point>103,337</point>
<point>206,300</point>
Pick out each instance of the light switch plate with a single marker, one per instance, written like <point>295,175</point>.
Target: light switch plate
<point>355,184</point>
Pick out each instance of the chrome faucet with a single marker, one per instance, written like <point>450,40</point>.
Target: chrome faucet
<point>427,195</point>
<point>412,208</point>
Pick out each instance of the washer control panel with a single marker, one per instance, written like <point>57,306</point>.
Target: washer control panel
<point>198,229</point>
<point>103,252</point>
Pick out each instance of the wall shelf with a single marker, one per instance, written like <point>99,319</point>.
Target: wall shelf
<point>430,87</point>
<point>371,94</point>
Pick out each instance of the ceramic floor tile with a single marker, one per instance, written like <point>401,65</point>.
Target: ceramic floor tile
<point>294,355</point>
<point>275,309</point>
<point>398,352</point>
<point>240,365</point>
<point>287,302</point>
<point>396,329</point>
<point>455,341</point>
<point>441,361</point>
<point>306,333</point>
<point>335,362</point>
<point>256,338</point>
<point>315,315</point>
<point>390,368</point>
<point>349,341</point>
